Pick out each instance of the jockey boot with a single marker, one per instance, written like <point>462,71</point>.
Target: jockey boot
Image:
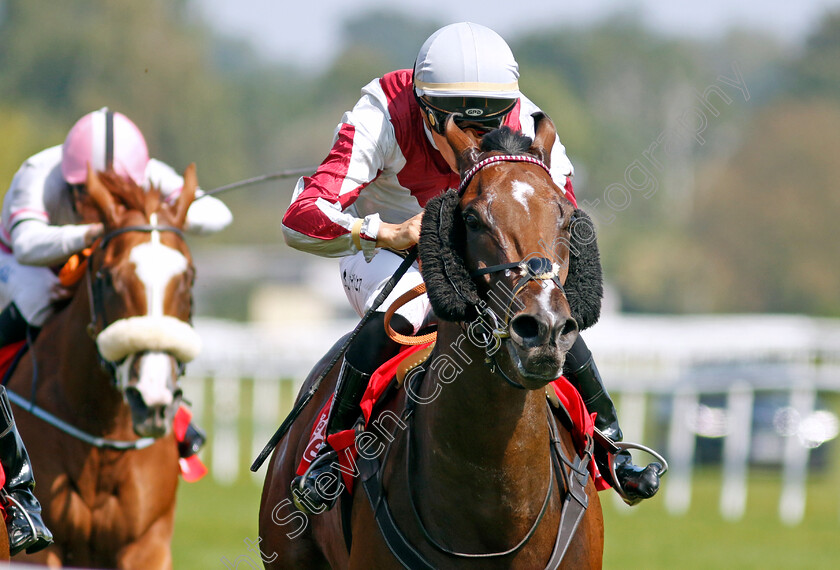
<point>12,325</point>
<point>194,440</point>
<point>369,350</point>
<point>309,497</point>
<point>23,511</point>
<point>637,482</point>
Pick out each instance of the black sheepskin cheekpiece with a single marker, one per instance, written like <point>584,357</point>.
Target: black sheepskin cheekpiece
<point>585,283</point>
<point>451,291</point>
<point>453,294</point>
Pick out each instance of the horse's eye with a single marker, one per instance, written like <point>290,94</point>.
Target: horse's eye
<point>472,221</point>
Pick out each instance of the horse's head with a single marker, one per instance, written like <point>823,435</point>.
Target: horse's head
<point>511,253</point>
<point>140,280</point>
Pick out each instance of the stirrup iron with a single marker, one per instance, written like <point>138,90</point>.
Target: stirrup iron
<point>614,447</point>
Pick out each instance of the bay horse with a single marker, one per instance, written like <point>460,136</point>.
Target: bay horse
<point>106,367</point>
<point>467,478</point>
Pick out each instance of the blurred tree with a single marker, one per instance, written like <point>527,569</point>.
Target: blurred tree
<point>393,36</point>
<point>817,72</point>
<point>768,220</point>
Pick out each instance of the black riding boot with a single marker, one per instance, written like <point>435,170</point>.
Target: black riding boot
<point>637,482</point>
<point>12,325</point>
<point>24,523</point>
<point>194,440</point>
<point>369,350</point>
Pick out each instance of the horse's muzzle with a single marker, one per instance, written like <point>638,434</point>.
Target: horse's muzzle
<point>540,344</point>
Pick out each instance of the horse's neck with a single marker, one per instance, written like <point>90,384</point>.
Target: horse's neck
<point>83,383</point>
<point>479,427</point>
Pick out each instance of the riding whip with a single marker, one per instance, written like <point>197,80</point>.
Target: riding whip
<point>289,173</point>
<point>287,423</point>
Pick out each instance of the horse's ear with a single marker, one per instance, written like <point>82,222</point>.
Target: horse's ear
<point>585,284</point>
<point>545,134</point>
<point>465,145</point>
<point>451,292</point>
<point>102,198</point>
<point>187,195</point>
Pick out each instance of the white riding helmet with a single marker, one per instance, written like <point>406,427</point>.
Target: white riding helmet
<point>104,139</point>
<point>468,69</point>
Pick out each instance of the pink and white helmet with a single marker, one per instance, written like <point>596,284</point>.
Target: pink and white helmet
<point>104,139</point>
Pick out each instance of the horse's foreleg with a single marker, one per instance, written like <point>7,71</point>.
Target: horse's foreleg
<point>152,550</point>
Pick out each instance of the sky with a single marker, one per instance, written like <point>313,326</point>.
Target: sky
<point>307,34</point>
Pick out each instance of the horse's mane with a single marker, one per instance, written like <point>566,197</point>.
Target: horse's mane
<point>506,140</point>
<point>130,194</point>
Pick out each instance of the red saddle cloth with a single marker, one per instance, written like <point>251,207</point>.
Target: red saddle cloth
<point>8,354</point>
<point>343,442</point>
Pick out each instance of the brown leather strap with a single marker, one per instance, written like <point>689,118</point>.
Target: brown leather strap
<point>409,295</point>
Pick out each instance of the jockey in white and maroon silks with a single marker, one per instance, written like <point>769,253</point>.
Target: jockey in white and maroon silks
<point>40,231</point>
<point>389,157</point>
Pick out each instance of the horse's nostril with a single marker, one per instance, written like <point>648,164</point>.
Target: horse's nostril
<point>529,329</point>
<point>569,327</point>
<point>134,398</point>
<point>525,326</point>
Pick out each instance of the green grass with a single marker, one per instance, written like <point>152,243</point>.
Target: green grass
<point>214,520</point>
<point>648,537</point>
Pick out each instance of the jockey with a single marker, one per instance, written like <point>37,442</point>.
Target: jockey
<point>40,231</point>
<point>366,200</point>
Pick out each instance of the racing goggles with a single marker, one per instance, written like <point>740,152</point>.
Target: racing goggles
<point>480,113</point>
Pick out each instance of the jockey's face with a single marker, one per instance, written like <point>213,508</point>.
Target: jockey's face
<point>442,146</point>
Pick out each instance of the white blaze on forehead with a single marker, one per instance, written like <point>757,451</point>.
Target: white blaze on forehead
<point>521,192</point>
<point>155,265</point>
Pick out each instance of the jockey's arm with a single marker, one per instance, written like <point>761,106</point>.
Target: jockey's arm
<point>318,220</point>
<point>400,236</point>
<point>35,242</point>
<point>206,216</point>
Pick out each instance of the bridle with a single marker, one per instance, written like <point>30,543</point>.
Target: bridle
<point>95,286</point>
<point>571,480</point>
<point>96,308</point>
<point>531,269</point>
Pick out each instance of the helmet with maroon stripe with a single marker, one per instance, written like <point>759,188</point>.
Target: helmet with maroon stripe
<point>467,69</point>
<point>106,140</point>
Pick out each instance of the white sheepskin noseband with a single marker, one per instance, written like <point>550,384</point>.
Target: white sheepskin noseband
<point>136,334</point>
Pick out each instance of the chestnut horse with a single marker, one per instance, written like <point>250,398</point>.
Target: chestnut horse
<point>4,544</point>
<point>467,478</point>
<point>106,369</point>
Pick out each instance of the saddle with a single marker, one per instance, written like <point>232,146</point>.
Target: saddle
<point>565,403</point>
